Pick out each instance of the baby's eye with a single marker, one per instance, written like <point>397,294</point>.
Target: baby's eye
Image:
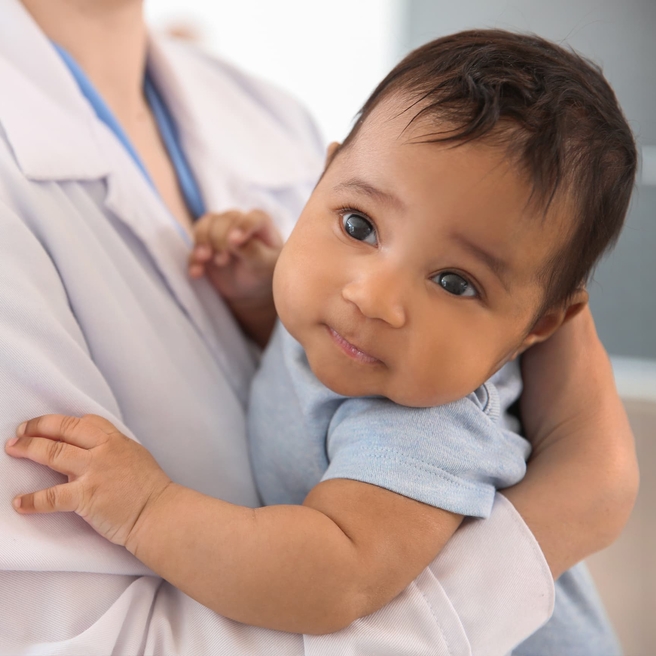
<point>359,228</point>
<point>455,284</point>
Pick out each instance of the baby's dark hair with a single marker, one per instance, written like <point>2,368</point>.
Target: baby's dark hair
<point>553,111</point>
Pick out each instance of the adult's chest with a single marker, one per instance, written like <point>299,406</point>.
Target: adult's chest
<point>168,349</point>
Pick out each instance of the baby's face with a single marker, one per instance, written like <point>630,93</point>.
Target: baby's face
<point>412,272</point>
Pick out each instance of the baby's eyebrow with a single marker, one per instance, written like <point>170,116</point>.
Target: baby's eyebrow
<point>497,265</point>
<point>357,184</point>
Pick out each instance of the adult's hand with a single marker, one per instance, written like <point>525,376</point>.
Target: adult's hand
<point>582,479</point>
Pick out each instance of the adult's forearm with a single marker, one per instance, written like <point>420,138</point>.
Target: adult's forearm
<point>575,505</point>
<point>582,479</point>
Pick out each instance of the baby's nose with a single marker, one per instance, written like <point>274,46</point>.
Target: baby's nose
<point>378,295</point>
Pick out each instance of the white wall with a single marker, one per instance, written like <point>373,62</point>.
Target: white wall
<point>328,54</point>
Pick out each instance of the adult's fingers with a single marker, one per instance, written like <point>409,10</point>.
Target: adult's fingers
<point>59,456</point>
<point>60,498</point>
<point>85,432</point>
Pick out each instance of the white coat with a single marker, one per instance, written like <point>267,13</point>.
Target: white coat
<point>97,315</point>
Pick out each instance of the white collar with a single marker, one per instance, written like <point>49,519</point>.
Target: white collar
<point>41,106</point>
<point>251,129</point>
<point>246,141</point>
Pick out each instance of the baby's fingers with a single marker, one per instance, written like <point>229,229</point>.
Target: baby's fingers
<point>203,248</point>
<point>60,498</point>
<point>210,232</point>
<point>59,456</point>
<point>86,432</point>
<point>202,251</point>
<point>261,256</point>
<point>255,223</point>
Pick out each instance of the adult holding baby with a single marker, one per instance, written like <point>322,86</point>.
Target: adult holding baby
<point>100,317</point>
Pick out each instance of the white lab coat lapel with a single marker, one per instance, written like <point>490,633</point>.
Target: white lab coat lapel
<point>169,246</point>
<point>38,103</point>
<point>241,152</point>
<point>215,114</point>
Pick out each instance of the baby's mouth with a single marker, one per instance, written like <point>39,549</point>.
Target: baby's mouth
<point>351,350</point>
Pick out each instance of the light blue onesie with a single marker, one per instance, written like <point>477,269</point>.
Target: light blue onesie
<point>453,456</point>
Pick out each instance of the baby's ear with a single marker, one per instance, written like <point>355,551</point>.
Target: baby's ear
<point>331,151</point>
<point>553,319</point>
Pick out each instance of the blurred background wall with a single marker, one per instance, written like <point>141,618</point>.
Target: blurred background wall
<point>331,54</point>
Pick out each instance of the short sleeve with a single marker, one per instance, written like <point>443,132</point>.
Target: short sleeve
<point>453,456</point>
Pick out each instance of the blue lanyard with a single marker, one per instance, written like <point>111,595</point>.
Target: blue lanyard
<point>165,123</point>
<point>169,133</point>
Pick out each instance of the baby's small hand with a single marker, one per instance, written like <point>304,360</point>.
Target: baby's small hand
<point>238,252</point>
<point>112,480</point>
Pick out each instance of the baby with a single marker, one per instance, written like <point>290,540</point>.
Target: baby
<point>455,227</point>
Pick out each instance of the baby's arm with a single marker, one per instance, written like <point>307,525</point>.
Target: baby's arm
<point>347,551</point>
<point>237,251</point>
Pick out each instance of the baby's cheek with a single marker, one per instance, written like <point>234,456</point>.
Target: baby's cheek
<point>441,378</point>
<point>292,289</point>
<point>284,282</point>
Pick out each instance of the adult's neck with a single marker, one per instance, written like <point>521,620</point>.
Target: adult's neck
<point>108,40</point>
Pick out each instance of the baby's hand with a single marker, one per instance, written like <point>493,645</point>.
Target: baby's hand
<point>238,252</point>
<point>112,480</point>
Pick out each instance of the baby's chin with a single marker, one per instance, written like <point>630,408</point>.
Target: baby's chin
<point>423,399</point>
<point>343,382</point>
<point>381,384</point>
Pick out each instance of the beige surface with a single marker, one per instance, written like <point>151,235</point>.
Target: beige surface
<point>626,572</point>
